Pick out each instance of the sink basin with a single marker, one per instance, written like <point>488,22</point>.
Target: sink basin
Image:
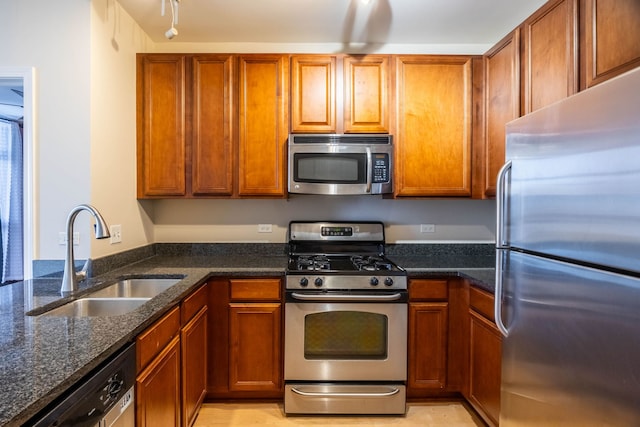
<point>135,288</point>
<point>97,307</point>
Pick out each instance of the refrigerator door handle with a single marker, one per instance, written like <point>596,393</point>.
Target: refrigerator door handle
<point>501,197</point>
<point>497,305</point>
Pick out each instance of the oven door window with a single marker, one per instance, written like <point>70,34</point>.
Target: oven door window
<point>330,168</point>
<point>345,335</point>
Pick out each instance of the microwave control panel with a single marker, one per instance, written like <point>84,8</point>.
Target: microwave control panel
<point>381,168</point>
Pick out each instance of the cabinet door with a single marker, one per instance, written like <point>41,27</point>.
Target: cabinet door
<point>610,42</point>
<point>193,341</point>
<point>433,143</point>
<point>263,124</point>
<point>212,153</point>
<point>366,97</point>
<point>550,54</point>
<point>313,88</point>
<point>502,91</point>
<point>427,346</point>
<point>158,389</point>
<point>485,355</point>
<point>161,137</point>
<point>255,358</point>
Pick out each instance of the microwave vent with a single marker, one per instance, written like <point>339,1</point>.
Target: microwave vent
<point>339,139</point>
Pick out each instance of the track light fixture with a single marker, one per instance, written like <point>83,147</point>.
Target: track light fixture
<point>171,32</point>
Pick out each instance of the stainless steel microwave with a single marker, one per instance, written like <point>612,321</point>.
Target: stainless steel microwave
<point>340,164</point>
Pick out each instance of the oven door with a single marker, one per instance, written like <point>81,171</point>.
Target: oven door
<point>345,341</point>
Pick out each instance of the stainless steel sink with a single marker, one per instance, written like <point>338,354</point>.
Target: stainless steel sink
<point>97,307</point>
<point>135,288</point>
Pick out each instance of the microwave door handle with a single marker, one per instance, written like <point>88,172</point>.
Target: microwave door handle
<point>369,170</point>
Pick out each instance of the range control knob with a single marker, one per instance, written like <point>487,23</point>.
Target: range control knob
<point>388,281</point>
<point>373,281</point>
<point>304,282</point>
<point>318,282</point>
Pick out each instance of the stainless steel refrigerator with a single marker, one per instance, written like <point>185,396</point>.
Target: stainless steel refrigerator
<point>568,261</point>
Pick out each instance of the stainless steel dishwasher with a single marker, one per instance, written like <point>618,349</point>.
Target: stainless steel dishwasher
<point>105,398</point>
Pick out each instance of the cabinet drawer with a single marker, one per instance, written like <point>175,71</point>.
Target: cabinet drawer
<point>156,337</point>
<point>428,290</point>
<point>255,289</point>
<point>482,302</point>
<point>193,303</point>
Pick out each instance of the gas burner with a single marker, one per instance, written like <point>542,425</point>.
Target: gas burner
<point>371,263</point>
<point>330,256</point>
<point>312,262</point>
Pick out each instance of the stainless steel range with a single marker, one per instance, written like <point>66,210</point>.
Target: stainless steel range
<point>345,321</point>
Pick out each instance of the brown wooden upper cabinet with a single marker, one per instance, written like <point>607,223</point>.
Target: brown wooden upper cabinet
<point>263,119</point>
<point>549,54</point>
<point>339,94</point>
<point>434,125</point>
<point>502,92</point>
<point>212,126</point>
<point>195,139</point>
<point>161,128</point>
<point>609,39</point>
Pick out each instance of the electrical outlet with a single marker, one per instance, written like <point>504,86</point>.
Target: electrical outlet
<point>116,233</point>
<point>427,228</point>
<point>62,238</point>
<point>265,228</point>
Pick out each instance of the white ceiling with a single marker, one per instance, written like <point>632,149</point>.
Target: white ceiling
<point>353,25</point>
<point>347,22</point>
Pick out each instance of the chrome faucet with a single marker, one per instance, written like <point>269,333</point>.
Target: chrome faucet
<point>70,277</point>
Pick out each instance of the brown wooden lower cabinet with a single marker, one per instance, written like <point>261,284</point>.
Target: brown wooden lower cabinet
<point>245,335</point>
<point>428,357</point>
<point>158,389</point>
<point>437,334</point>
<point>158,379</point>
<point>172,365</point>
<point>254,359</point>
<point>485,358</point>
<point>428,336</point>
<point>193,344</point>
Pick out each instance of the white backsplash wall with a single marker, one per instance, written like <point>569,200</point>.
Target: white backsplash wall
<point>457,221</point>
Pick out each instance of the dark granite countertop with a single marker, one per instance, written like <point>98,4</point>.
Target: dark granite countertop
<point>43,356</point>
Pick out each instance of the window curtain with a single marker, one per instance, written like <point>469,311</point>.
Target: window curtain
<point>11,218</point>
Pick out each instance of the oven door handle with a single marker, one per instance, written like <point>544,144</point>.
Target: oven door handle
<point>344,297</point>
<point>343,394</point>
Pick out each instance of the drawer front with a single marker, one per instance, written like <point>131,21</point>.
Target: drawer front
<point>482,302</point>
<point>255,289</point>
<point>428,290</point>
<point>156,337</point>
<point>193,303</point>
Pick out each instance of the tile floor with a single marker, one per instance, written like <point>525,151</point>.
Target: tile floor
<point>439,414</point>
